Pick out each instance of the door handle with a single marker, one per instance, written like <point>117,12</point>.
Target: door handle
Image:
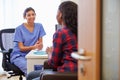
<point>80,57</point>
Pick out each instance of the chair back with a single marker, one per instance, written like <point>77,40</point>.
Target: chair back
<point>6,39</point>
<point>57,26</point>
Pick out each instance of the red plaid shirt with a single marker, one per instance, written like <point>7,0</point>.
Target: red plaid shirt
<point>64,43</point>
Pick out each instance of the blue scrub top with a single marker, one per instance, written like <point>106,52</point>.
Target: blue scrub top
<point>22,34</point>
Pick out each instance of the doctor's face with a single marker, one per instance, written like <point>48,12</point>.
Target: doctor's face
<point>30,16</point>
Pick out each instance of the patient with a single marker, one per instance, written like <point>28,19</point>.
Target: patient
<point>64,42</point>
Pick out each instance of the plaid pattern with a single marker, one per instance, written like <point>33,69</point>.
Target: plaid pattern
<point>64,43</point>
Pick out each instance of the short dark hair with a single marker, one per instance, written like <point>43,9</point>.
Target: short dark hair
<point>69,15</point>
<point>28,9</point>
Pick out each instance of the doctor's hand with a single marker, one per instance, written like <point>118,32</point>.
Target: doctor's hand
<point>39,45</point>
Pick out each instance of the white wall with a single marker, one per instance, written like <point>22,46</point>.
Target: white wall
<point>111,40</point>
<point>76,1</point>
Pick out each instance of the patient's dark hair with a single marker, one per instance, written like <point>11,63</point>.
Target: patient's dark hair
<point>28,9</point>
<point>69,15</point>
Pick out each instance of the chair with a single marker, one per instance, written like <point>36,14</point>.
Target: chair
<point>48,74</point>
<point>6,45</point>
<point>52,75</point>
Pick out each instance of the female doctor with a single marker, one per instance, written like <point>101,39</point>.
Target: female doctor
<point>28,36</point>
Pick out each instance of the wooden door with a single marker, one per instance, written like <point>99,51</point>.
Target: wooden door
<point>89,39</point>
